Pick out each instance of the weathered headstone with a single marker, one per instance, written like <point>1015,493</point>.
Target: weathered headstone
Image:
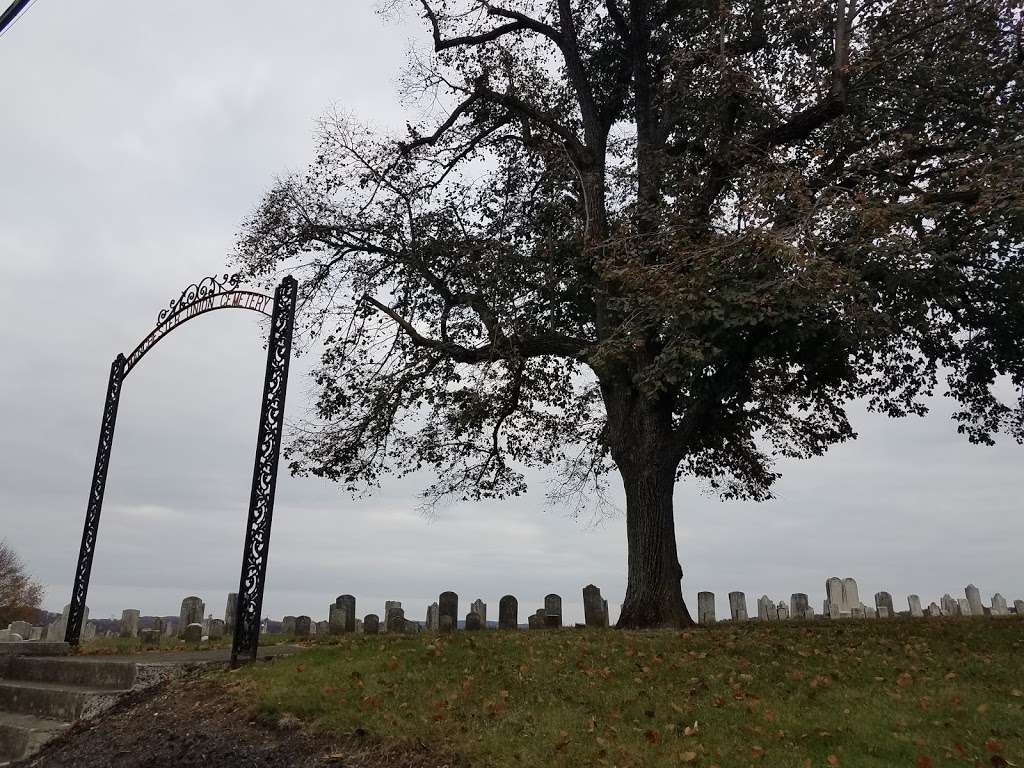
<point>392,608</point>
<point>851,597</point>
<point>782,611</point>
<point>36,633</point>
<point>973,601</point>
<point>88,632</point>
<point>973,595</point>
<point>705,607</point>
<point>432,617</point>
<point>473,621</point>
<point>302,625</point>
<point>508,613</point>
<point>914,602</point>
<point>949,605</point>
<point>593,607</point>
<point>150,637</point>
<point>857,612</point>
<point>230,607</point>
<point>1018,607</point>
<point>22,628</point>
<point>881,612</point>
<point>808,613</point>
<point>192,610</point>
<point>129,623</point>
<point>7,636</point>
<point>323,628</point>
<point>348,602</point>
<point>479,607</point>
<point>396,621</point>
<point>288,625</point>
<point>884,600</point>
<point>607,618</point>
<point>216,629</point>
<point>359,626</point>
<point>934,610</point>
<point>766,609</point>
<point>536,620</point>
<point>337,619</point>
<point>445,623</point>
<point>371,624</point>
<point>738,606</point>
<point>834,597</point>
<point>965,607</point>
<point>999,605</point>
<point>798,605</point>
<point>170,629</point>
<point>552,611</point>
<point>448,605</point>
<point>193,633</point>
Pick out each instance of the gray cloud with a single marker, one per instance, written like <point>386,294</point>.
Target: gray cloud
<point>135,139</point>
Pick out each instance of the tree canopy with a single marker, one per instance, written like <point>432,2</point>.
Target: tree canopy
<point>671,237</point>
<point>20,594</point>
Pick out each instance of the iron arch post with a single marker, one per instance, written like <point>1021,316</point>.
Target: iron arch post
<point>76,613</point>
<point>264,477</point>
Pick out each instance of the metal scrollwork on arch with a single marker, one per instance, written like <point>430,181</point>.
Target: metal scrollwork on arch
<point>264,476</point>
<point>210,293</point>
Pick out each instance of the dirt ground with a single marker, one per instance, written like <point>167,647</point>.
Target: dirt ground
<point>190,722</point>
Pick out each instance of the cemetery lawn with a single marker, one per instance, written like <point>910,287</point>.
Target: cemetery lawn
<point>907,692</point>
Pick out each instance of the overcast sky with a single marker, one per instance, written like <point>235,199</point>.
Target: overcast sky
<point>134,139</point>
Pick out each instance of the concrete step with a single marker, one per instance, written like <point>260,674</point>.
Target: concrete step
<point>21,736</point>
<point>82,671</point>
<point>58,701</point>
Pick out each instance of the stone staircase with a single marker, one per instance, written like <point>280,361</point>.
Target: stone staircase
<point>43,691</point>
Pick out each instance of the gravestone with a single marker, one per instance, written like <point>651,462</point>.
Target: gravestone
<point>371,624</point>
<point>88,632</point>
<point>323,628</point>
<point>999,605</point>
<point>973,601</point>
<point>552,611</point>
<point>965,606</point>
<point>479,607</point>
<point>230,607</point>
<point>782,611</point>
<point>432,617</point>
<point>914,602</point>
<point>129,623</point>
<point>508,613</point>
<point>302,625</point>
<point>1018,607</point>
<point>851,598</point>
<point>808,613</point>
<point>150,637</point>
<point>36,633</point>
<point>949,606</point>
<point>6,636</point>
<point>359,626</point>
<point>193,633</point>
<point>448,605</point>
<point>288,625</point>
<point>833,597</point>
<point>934,610</point>
<point>192,610</point>
<point>738,606</point>
<point>169,628</point>
<point>216,629</point>
<point>857,612</point>
<point>884,600</point>
<point>705,607</point>
<point>593,607</point>
<point>535,621</point>
<point>881,612</point>
<point>766,609</point>
<point>22,628</point>
<point>392,608</point>
<point>798,605</point>
<point>445,623</point>
<point>473,621</point>
<point>396,621</point>
<point>337,619</point>
<point>607,618</point>
<point>348,603</point>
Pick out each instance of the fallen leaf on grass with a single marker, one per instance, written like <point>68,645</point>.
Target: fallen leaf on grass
<point>688,757</point>
<point>924,762</point>
<point>832,760</point>
<point>653,735</point>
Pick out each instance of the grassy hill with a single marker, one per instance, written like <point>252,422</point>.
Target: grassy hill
<point>849,693</point>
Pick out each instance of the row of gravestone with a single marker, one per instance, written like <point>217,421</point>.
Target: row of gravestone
<point>52,632</point>
<point>842,601</point>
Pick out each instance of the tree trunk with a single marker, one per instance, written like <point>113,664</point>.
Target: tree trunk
<point>640,439</point>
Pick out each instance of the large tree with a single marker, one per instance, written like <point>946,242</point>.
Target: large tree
<point>669,237</point>
<point>20,594</point>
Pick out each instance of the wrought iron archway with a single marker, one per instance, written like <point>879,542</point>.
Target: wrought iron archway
<point>208,294</point>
